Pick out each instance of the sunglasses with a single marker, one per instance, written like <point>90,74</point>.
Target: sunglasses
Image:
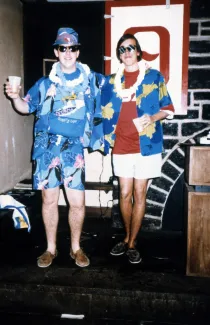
<point>72,48</point>
<point>129,48</point>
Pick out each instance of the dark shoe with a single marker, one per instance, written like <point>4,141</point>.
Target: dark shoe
<point>119,249</point>
<point>80,258</point>
<point>133,255</point>
<point>46,259</point>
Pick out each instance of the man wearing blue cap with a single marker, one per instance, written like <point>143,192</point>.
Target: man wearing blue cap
<point>67,105</point>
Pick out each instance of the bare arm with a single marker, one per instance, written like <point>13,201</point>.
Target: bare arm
<point>19,104</point>
<point>158,116</point>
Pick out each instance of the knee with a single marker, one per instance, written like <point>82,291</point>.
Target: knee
<point>125,196</point>
<point>140,195</point>
<point>77,209</point>
<point>49,199</point>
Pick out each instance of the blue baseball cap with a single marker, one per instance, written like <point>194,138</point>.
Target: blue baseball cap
<point>67,36</point>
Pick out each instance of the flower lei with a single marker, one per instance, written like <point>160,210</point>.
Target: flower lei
<point>77,85</point>
<point>127,93</point>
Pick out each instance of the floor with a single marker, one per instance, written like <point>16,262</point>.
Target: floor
<point>109,291</point>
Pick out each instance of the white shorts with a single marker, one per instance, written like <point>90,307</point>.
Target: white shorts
<point>137,166</point>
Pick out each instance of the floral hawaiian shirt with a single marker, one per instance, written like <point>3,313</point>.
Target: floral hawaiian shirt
<point>41,100</point>
<point>151,97</point>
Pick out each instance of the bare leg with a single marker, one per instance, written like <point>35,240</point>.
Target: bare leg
<point>50,216</point>
<point>126,193</point>
<point>76,201</point>
<point>140,190</point>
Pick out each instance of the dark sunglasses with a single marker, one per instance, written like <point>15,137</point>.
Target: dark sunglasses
<point>130,48</point>
<point>72,48</point>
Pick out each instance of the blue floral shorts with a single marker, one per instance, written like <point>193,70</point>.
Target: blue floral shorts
<point>61,164</point>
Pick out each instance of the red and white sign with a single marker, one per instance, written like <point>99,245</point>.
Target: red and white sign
<point>163,33</point>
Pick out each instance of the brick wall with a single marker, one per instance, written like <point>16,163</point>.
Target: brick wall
<point>198,115</point>
<point>165,199</point>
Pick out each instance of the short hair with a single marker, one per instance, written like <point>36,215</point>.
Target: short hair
<point>125,37</point>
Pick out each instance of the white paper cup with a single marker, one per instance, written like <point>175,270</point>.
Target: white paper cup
<point>15,83</point>
<point>137,124</point>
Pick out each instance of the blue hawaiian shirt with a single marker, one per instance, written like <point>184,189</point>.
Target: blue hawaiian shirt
<point>151,96</point>
<point>40,99</point>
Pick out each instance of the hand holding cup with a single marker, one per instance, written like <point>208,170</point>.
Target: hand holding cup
<point>13,86</point>
<point>142,122</point>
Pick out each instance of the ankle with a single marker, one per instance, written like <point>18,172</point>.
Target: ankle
<point>74,249</point>
<point>52,250</point>
<point>132,244</point>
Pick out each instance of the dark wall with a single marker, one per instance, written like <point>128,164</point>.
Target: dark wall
<point>41,22</point>
<point>200,9</point>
